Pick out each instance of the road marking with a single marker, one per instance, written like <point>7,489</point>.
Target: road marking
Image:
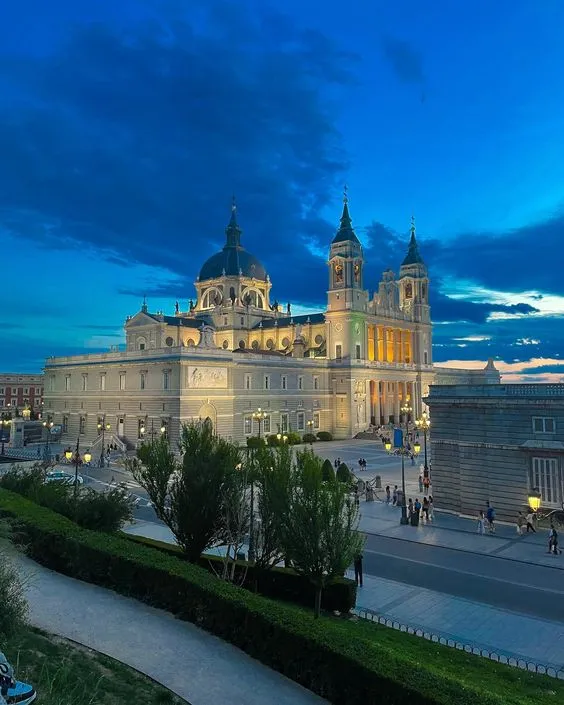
<point>427,564</point>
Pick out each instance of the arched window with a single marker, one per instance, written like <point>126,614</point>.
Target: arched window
<point>141,343</point>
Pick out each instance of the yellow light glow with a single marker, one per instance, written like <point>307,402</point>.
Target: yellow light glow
<point>163,429</point>
<point>388,446</point>
<point>87,457</point>
<point>68,454</point>
<point>534,500</point>
<point>416,447</point>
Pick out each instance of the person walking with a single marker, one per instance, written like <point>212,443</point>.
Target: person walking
<point>520,525</point>
<point>530,521</point>
<point>421,484</point>
<point>426,484</point>
<point>388,495</point>
<point>358,569</point>
<point>409,508</point>
<point>553,541</point>
<point>395,496</point>
<point>481,523</point>
<point>490,516</point>
<point>425,510</point>
<point>431,509</point>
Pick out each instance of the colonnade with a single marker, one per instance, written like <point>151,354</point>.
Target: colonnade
<point>387,398</point>
<point>389,344</point>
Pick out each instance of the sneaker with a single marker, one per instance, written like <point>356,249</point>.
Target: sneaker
<point>21,694</point>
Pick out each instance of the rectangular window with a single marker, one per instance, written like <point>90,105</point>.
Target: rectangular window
<point>122,381</point>
<point>301,420</point>
<point>284,423</point>
<point>266,425</point>
<point>67,383</point>
<point>26,391</point>
<point>14,390</point>
<point>103,383</point>
<point>248,381</point>
<point>84,383</point>
<point>358,352</point>
<point>82,428</point>
<point>300,382</point>
<point>65,424</point>
<point>142,380</point>
<point>37,390</point>
<point>338,352</point>
<point>543,424</point>
<point>316,382</point>
<point>166,376</point>
<point>267,381</point>
<point>317,421</point>
<point>545,477</point>
<point>284,382</point>
<point>425,357</point>
<point>248,425</point>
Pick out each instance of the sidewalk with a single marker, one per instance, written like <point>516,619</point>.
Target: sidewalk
<point>195,665</point>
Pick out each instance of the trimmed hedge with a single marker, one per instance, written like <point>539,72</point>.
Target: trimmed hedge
<point>278,583</point>
<point>340,661</point>
<point>309,438</point>
<point>324,436</point>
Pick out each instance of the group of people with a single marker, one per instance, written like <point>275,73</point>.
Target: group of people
<point>362,464</point>
<point>424,510</point>
<point>525,525</point>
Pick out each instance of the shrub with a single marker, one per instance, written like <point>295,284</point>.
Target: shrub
<point>13,605</point>
<point>343,473</point>
<point>309,438</point>
<point>255,442</point>
<point>278,583</point>
<point>272,440</point>
<point>294,438</point>
<point>103,511</point>
<point>341,661</point>
<point>327,471</point>
<point>324,436</point>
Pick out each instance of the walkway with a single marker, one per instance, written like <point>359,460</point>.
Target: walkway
<point>197,666</point>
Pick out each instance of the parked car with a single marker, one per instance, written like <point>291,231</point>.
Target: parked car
<point>62,476</point>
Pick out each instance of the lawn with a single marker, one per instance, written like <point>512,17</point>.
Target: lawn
<point>65,673</point>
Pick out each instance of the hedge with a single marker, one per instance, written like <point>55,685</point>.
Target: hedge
<point>277,583</point>
<point>324,436</point>
<point>332,657</point>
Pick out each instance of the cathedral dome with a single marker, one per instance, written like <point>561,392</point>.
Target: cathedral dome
<point>233,260</point>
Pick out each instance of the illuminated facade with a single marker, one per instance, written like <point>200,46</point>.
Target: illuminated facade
<point>342,370</point>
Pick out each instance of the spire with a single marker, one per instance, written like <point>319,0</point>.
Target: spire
<point>345,232</point>
<point>413,256</point>
<point>233,231</point>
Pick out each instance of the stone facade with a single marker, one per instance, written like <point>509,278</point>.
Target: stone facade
<point>496,443</point>
<point>233,350</point>
<point>18,391</point>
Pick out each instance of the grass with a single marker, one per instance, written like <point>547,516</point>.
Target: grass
<point>518,687</point>
<point>65,673</point>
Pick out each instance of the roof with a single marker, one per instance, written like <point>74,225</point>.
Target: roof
<point>413,256</point>
<point>345,233</point>
<point>180,321</point>
<point>291,320</point>
<point>233,260</point>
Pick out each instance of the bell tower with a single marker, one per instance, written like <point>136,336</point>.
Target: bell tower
<point>346,267</point>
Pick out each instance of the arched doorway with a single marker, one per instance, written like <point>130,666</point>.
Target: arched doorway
<point>208,411</point>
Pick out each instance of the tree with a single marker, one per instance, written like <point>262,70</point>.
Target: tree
<point>190,496</point>
<point>343,473</point>
<point>320,533</point>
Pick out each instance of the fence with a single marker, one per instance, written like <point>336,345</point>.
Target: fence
<point>515,660</point>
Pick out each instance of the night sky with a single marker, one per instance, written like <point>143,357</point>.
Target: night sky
<point>127,126</point>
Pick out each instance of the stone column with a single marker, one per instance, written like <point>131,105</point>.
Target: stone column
<point>397,404</point>
<point>385,344</point>
<point>376,402</point>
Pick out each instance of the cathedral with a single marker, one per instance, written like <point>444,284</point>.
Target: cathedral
<point>235,350</point>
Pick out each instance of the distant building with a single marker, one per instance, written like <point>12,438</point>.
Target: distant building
<point>496,443</point>
<point>233,349</point>
<point>18,391</point>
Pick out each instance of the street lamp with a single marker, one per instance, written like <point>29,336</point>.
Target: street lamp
<point>403,450</point>
<point>47,425</point>
<point>424,424</point>
<point>77,460</point>
<point>309,425</point>
<point>535,499</point>
<point>103,426</point>
<point>26,413</point>
<point>281,438</point>
<point>259,416</point>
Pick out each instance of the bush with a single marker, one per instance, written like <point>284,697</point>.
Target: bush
<point>309,438</point>
<point>278,583</point>
<point>327,471</point>
<point>273,441</point>
<point>343,473</point>
<point>324,436</point>
<point>340,660</point>
<point>99,511</point>
<point>255,442</point>
<point>294,438</point>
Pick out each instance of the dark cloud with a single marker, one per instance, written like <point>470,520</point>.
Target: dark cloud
<point>404,60</point>
<point>134,142</point>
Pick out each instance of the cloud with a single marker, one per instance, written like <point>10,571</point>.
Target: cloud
<point>404,60</point>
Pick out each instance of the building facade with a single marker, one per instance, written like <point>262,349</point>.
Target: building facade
<point>496,443</point>
<point>234,349</point>
<point>20,391</point>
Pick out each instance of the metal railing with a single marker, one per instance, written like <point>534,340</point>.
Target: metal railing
<point>454,642</point>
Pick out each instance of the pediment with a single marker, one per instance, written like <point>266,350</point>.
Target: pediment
<point>140,319</point>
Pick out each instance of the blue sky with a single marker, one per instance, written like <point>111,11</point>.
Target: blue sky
<point>127,126</point>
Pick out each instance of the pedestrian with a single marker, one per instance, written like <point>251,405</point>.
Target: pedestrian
<point>426,483</point>
<point>388,497</point>
<point>431,509</point>
<point>364,463</point>
<point>336,463</point>
<point>417,509</point>
<point>395,496</point>
<point>553,541</point>
<point>530,520</point>
<point>421,484</point>
<point>521,521</point>
<point>490,516</point>
<point>413,458</point>
<point>409,508</point>
<point>425,509</point>
<point>360,464</point>
<point>481,523</point>
<point>356,497</point>
<point>358,569</point>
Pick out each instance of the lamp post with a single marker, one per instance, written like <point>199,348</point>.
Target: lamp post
<point>47,425</point>
<point>309,425</point>
<point>403,450</point>
<point>282,438</point>
<point>77,460</point>
<point>103,426</point>
<point>26,413</point>
<point>152,432</point>
<point>535,499</point>
<point>259,416</point>
<point>424,424</point>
